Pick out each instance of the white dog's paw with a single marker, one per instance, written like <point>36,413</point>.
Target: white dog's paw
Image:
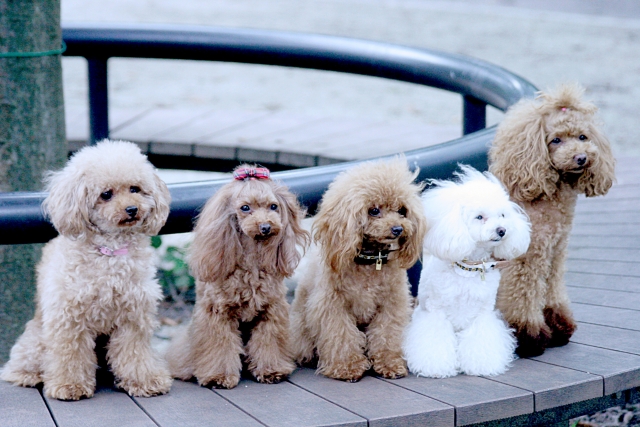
<point>487,347</point>
<point>430,345</point>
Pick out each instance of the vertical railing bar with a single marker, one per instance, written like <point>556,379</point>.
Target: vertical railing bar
<point>98,100</point>
<point>474,113</point>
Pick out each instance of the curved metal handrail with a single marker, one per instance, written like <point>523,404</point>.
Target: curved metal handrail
<point>22,221</point>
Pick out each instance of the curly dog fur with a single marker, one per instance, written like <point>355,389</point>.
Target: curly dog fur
<point>346,313</point>
<point>106,196</point>
<point>244,246</point>
<point>455,327</point>
<point>547,151</point>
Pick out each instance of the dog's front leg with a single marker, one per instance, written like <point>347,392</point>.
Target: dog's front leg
<point>557,312</point>
<point>384,336</point>
<point>216,346</point>
<point>138,370</point>
<point>340,343</point>
<point>70,360</point>
<point>268,352</point>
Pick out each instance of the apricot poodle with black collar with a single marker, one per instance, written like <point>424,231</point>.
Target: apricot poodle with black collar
<point>244,246</point>
<point>547,151</point>
<point>352,305</point>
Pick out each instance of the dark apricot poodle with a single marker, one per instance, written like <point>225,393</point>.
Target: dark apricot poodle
<point>244,246</point>
<point>547,151</point>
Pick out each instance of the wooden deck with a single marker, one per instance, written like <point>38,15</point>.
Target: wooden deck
<point>598,369</point>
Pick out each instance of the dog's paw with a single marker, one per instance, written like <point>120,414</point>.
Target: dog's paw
<point>152,386</point>
<point>530,345</point>
<point>271,377</point>
<point>351,371</point>
<point>391,369</point>
<point>220,381</point>
<point>68,391</point>
<point>561,323</point>
<point>22,378</point>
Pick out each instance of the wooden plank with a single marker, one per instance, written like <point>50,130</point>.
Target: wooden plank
<point>597,254</point>
<point>605,205</point>
<point>475,399</point>
<point>156,122</point>
<point>552,385</point>
<point>613,268</point>
<point>106,408</point>
<point>602,281</point>
<point>607,316</point>
<point>608,230</point>
<point>286,404</point>
<point>621,371</point>
<point>630,218</point>
<point>188,404</point>
<point>620,242</point>
<point>628,191</point>
<point>380,402</point>
<point>603,297</point>
<point>213,123</point>
<point>22,407</point>
<point>624,340</point>
<point>249,135</point>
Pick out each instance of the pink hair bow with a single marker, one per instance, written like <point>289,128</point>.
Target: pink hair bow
<point>251,173</point>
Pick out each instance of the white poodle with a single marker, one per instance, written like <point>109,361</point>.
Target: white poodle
<point>455,327</point>
<point>97,278</point>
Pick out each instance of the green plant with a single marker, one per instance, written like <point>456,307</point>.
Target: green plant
<point>173,273</point>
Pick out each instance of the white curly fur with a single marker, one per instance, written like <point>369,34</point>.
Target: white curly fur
<point>455,327</point>
<point>82,293</point>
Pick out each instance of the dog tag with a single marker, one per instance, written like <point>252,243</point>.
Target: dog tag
<point>379,262</point>
<point>482,272</point>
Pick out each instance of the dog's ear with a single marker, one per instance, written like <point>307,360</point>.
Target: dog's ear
<point>338,227</point>
<point>600,176</point>
<point>160,212</point>
<point>519,156</point>
<point>293,234</point>
<point>412,249</point>
<point>518,234</point>
<point>69,202</point>
<point>449,238</point>
<point>216,245</point>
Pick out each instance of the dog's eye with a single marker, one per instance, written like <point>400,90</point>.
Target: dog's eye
<point>555,141</point>
<point>402,211</point>
<point>502,215</point>
<point>582,137</point>
<point>374,211</point>
<point>245,208</point>
<point>106,195</point>
<point>274,207</point>
<point>134,189</point>
<point>480,217</point>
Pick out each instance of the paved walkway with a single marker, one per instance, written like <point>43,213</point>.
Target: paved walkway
<point>334,115</point>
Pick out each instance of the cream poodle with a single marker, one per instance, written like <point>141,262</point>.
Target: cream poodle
<point>97,278</point>
<point>352,304</point>
<point>244,246</point>
<point>455,327</point>
<point>547,151</point>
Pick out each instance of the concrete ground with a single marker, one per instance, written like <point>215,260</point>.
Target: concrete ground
<point>595,43</point>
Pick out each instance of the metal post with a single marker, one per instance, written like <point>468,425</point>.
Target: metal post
<point>474,114</point>
<point>98,100</point>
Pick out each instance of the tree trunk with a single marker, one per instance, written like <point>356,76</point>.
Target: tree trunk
<point>32,139</point>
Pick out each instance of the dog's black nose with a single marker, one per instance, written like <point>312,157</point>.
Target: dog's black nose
<point>397,230</point>
<point>580,159</point>
<point>131,210</point>
<point>265,229</point>
<point>501,231</point>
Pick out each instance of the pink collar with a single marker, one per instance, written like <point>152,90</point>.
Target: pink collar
<point>111,252</point>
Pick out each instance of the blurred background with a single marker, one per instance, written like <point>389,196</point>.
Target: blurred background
<point>593,42</point>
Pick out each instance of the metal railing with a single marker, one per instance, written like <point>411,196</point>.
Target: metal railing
<point>479,83</point>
